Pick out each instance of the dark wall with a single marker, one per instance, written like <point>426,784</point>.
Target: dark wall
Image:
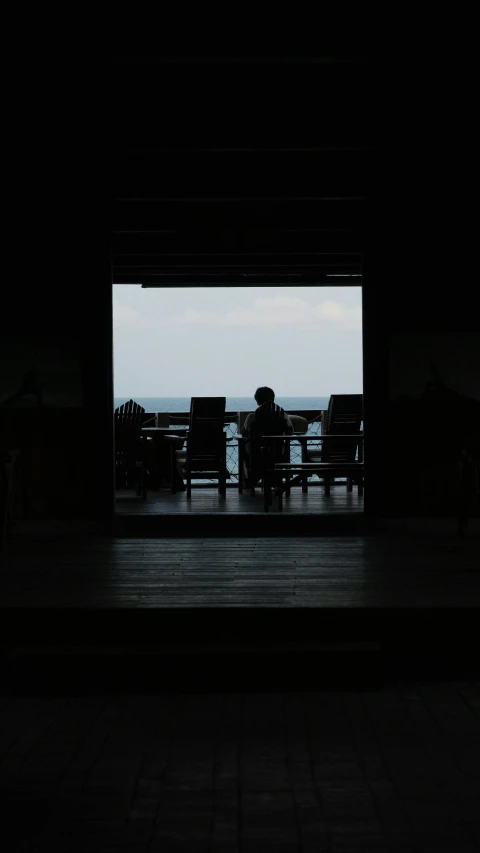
<point>422,384</point>
<point>380,137</point>
<point>70,447</point>
<point>62,329</point>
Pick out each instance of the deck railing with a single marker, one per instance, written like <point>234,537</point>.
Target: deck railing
<point>313,416</point>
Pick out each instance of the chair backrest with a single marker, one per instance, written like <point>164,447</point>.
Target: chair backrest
<point>344,417</point>
<point>206,428</point>
<point>345,413</point>
<point>162,419</point>
<point>128,425</point>
<point>268,421</point>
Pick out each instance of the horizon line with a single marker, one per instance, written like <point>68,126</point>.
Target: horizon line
<point>187,396</point>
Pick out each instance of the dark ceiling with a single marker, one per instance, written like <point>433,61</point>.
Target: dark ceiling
<point>241,169</point>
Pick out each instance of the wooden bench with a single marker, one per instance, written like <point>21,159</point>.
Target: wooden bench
<point>296,472</point>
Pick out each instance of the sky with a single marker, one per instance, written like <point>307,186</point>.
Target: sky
<point>183,342</point>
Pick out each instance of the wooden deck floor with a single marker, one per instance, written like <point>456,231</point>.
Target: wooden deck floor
<point>276,611</point>
<point>317,572</point>
<point>209,501</point>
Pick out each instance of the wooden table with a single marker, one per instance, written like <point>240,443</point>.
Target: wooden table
<point>163,448</point>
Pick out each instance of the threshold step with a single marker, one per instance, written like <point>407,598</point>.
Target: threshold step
<point>189,649</point>
<point>238,524</point>
<point>233,668</point>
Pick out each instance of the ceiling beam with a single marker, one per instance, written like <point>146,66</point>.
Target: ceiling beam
<point>235,277</point>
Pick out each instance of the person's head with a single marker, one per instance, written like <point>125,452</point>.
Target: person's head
<point>263,395</point>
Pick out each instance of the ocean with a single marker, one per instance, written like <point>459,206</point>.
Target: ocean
<point>234,404</point>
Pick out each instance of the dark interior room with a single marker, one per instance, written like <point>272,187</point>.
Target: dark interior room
<point>282,679</point>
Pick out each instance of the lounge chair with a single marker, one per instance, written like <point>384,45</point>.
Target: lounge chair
<point>344,417</point>
<point>205,454</point>
<point>130,457</point>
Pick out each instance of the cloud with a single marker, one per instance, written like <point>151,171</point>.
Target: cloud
<point>191,317</point>
<point>265,311</point>
<point>277,311</point>
<point>329,310</point>
<point>340,314</point>
<point>124,316</point>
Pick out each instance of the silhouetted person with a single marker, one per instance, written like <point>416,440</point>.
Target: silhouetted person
<point>268,419</point>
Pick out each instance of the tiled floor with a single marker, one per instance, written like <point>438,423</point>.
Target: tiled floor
<point>393,770</point>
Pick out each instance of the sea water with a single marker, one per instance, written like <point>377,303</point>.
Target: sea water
<point>233,404</point>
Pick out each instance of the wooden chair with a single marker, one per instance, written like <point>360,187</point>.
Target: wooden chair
<point>263,453</point>
<point>130,456</point>
<point>344,417</point>
<point>277,467</point>
<point>205,454</point>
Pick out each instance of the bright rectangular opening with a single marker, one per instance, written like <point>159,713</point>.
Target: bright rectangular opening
<point>171,344</point>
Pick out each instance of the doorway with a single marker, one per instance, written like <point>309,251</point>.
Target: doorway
<point>172,344</point>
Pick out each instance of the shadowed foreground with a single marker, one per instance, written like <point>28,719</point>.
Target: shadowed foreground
<point>395,769</point>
